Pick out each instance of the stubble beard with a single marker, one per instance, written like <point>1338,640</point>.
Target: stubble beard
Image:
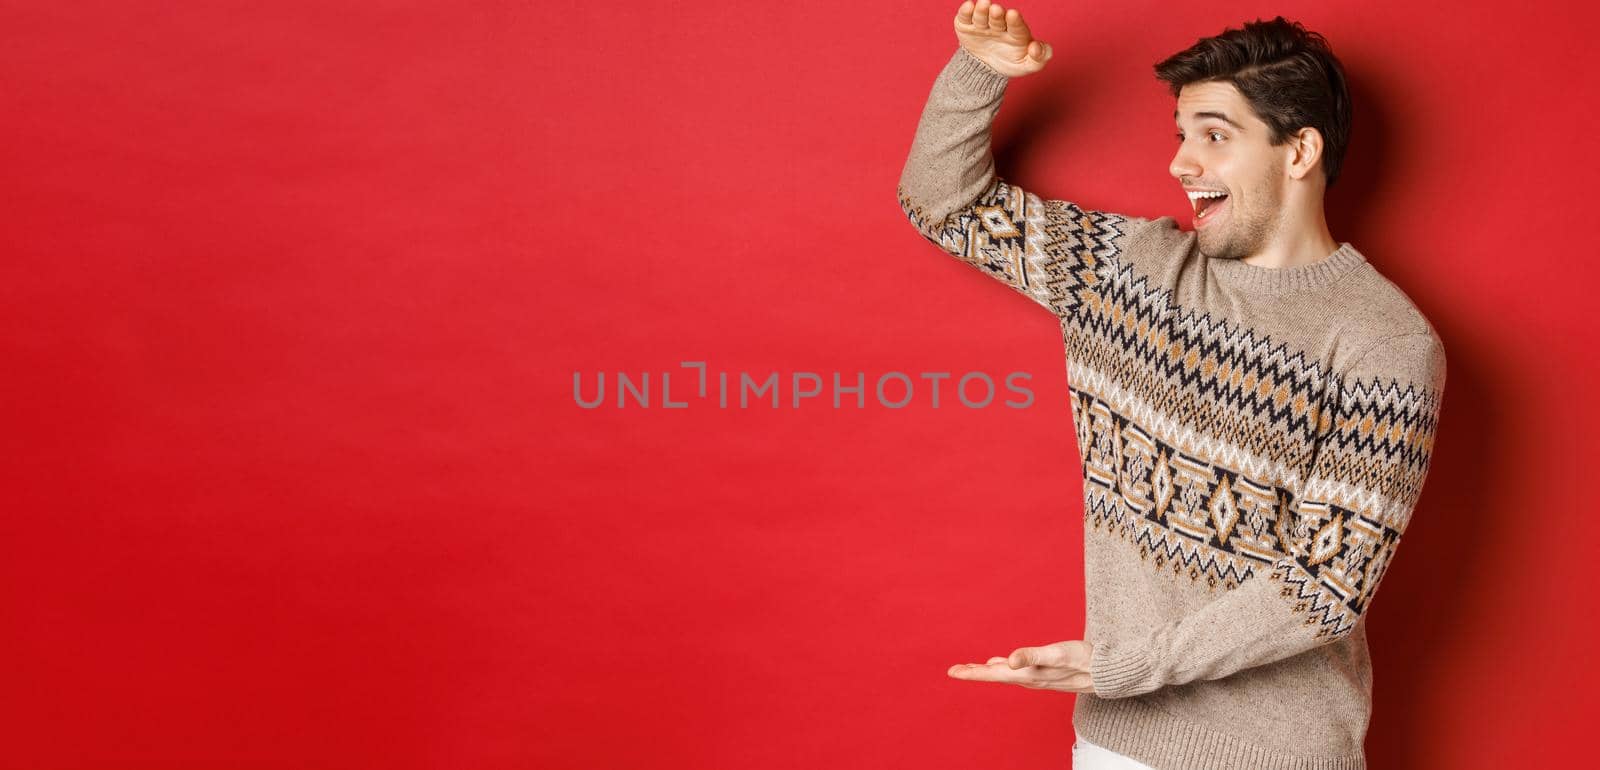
<point>1248,230</point>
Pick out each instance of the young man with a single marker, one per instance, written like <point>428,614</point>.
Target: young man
<point>1255,404</point>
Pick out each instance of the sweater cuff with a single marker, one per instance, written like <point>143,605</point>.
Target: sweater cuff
<point>975,76</point>
<point>1120,674</point>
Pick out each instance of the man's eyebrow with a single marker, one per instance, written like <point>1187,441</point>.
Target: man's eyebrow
<point>1209,114</point>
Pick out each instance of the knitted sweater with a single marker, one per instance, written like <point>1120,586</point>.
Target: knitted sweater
<point>1252,441</point>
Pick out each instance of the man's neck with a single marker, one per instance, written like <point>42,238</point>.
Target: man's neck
<point>1299,243</point>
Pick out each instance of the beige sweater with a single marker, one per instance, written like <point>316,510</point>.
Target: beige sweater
<point>1252,440</point>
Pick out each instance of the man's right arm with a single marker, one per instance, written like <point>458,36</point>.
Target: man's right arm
<point>1052,251</point>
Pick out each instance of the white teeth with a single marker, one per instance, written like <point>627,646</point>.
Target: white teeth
<point>1196,195</point>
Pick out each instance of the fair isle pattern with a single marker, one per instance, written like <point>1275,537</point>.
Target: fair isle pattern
<point>1204,520</point>
<point>1265,397</point>
<point>1194,432</point>
<point>1377,454</point>
<point>1021,239</point>
<point>1383,439</point>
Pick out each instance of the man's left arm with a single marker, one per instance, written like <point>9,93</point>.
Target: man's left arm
<point>1337,535</point>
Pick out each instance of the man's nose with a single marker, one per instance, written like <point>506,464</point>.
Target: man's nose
<point>1183,166</point>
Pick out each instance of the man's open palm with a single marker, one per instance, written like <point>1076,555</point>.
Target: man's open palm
<point>1061,666</point>
<point>1000,38</point>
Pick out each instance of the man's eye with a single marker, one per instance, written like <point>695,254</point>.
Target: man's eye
<point>1216,133</point>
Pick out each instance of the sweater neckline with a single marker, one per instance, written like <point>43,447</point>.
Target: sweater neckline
<point>1288,280</point>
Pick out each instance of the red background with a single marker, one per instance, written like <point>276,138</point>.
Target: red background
<point>294,295</point>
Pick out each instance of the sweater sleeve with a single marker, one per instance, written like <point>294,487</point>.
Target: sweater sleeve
<point>1055,252</point>
<point>1337,533</point>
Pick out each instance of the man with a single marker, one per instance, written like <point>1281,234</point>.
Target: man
<point>1255,404</point>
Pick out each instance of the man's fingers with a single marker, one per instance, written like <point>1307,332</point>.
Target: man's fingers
<point>964,13</point>
<point>1016,26</point>
<point>991,672</point>
<point>997,659</point>
<point>980,14</point>
<point>1049,655</point>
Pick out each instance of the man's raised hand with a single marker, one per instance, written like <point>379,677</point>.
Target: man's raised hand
<point>1000,38</point>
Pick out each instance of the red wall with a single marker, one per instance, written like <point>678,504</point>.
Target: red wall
<point>293,299</point>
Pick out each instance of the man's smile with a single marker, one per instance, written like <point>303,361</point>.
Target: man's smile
<point>1208,205</point>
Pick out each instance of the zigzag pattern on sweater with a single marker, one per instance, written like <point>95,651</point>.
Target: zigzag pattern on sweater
<point>1052,251</point>
<point>1264,396</point>
<point>1372,429</point>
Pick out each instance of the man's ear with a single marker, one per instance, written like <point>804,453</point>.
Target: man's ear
<point>1305,148</point>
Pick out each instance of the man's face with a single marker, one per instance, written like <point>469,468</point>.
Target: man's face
<point>1224,147</point>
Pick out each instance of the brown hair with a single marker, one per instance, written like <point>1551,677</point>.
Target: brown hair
<point>1287,73</point>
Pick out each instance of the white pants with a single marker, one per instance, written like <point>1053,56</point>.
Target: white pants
<point>1087,756</point>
